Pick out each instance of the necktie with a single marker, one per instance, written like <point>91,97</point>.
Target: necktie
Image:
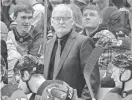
<point>57,55</point>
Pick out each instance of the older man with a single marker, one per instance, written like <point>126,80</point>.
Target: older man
<point>67,52</point>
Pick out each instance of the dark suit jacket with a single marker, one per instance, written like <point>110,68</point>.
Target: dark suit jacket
<point>73,60</point>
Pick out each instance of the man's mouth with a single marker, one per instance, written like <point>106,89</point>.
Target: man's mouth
<point>26,26</point>
<point>88,22</point>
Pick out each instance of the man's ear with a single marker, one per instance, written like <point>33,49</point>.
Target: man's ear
<point>26,75</point>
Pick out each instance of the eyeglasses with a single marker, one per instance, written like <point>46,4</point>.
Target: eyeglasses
<point>65,19</point>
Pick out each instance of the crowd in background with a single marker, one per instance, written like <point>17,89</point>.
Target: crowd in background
<point>96,48</point>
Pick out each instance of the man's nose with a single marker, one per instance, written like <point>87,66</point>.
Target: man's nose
<point>88,17</point>
<point>61,20</point>
<point>27,20</point>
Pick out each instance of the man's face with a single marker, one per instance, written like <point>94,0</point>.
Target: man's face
<point>91,18</point>
<point>55,2</point>
<point>116,76</point>
<point>24,20</point>
<point>62,21</point>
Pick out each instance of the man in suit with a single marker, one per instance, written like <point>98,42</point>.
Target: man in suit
<point>66,60</point>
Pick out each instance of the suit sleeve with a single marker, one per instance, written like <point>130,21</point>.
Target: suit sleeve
<point>95,83</point>
<point>86,50</point>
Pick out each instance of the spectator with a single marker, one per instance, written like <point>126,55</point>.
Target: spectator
<point>21,37</point>
<point>20,41</point>
<point>38,16</point>
<point>91,19</point>
<point>101,32</point>
<point>74,53</point>
<point>122,75</point>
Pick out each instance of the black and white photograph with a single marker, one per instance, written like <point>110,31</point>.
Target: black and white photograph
<point>66,50</point>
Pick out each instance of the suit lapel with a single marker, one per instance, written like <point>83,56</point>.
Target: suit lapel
<point>65,53</point>
<point>48,53</point>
